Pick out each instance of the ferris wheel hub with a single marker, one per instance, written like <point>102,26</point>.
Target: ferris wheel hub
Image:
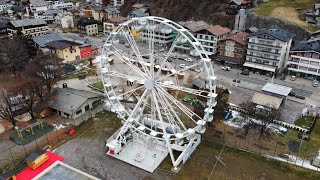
<point>149,84</point>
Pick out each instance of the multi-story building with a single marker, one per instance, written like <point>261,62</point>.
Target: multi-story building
<point>65,20</point>
<point>66,50</point>
<point>88,26</point>
<point>304,60</point>
<point>3,6</point>
<point>38,5</point>
<point>268,50</point>
<point>65,5</point>
<point>163,35</point>
<point>31,27</point>
<point>232,49</point>
<point>116,2</point>
<point>112,23</point>
<point>209,38</point>
<point>87,51</point>
<point>96,12</point>
<point>111,12</point>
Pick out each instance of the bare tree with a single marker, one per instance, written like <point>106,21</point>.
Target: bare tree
<point>7,105</point>
<point>47,68</point>
<point>29,94</point>
<point>13,55</point>
<point>266,115</point>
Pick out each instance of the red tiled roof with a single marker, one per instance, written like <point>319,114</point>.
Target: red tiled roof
<point>218,30</point>
<point>119,19</point>
<point>238,37</point>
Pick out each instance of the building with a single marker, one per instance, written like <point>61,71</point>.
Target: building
<point>88,26</point>
<point>31,27</point>
<point>38,6</point>
<point>3,6</point>
<point>313,17</point>
<point>42,41</point>
<point>71,104</point>
<point>87,51</point>
<point>141,7</point>
<point>48,16</point>
<point>240,20</point>
<point>209,38</point>
<point>65,20</point>
<point>3,30</point>
<point>60,5</point>
<point>268,50</point>
<point>111,12</point>
<point>96,12</point>
<point>117,2</point>
<point>136,14</point>
<point>66,50</point>
<point>112,23</point>
<point>232,49</point>
<point>239,4</point>
<point>304,60</point>
<point>163,35</point>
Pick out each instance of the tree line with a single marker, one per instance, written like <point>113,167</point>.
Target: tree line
<point>37,73</point>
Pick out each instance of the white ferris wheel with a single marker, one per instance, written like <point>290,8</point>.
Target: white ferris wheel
<point>149,87</point>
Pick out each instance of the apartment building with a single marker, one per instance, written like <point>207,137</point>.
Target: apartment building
<point>112,23</point>
<point>66,50</point>
<point>116,2</point>
<point>163,35</point>
<point>31,27</point>
<point>268,50</point>
<point>304,60</point>
<point>88,26</point>
<point>232,49</point>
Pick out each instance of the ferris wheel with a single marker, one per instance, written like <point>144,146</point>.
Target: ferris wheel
<point>148,85</point>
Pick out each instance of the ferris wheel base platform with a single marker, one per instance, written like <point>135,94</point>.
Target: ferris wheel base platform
<point>137,154</point>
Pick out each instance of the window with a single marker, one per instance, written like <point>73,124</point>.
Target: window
<point>89,53</point>
<point>84,54</point>
<point>86,108</point>
<point>305,61</point>
<point>312,69</point>
<point>79,111</point>
<point>308,54</point>
<point>274,64</point>
<point>316,56</point>
<point>314,63</point>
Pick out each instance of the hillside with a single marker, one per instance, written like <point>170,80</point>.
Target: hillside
<point>211,11</point>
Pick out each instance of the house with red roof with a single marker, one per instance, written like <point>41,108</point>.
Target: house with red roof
<point>232,48</point>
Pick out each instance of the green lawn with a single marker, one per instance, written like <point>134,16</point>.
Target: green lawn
<point>266,9</point>
<point>98,85</point>
<point>304,121</point>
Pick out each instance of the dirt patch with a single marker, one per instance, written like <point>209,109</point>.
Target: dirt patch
<point>289,14</point>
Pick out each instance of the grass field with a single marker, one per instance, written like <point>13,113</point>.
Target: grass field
<point>98,85</point>
<point>304,121</point>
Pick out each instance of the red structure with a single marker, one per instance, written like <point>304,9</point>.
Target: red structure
<point>86,51</point>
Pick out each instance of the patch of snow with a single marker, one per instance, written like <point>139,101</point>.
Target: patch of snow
<point>297,161</point>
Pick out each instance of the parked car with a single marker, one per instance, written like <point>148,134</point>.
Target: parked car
<point>183,66</point>
<point>188,59</point>
<point>293,78</point>
<point>226,68</point>
<point>245,72</point>
<point>161,50</point>
<point>237,80</point>
<point>315,83</point>
<point>194,69</point>
<point>169,60</point>
<point>291,93</point>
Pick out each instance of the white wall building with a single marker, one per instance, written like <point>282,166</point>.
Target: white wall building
<point>65,20</point>
<point>304,60</point>
<point>116,2</point>
<point>31,27</point>
<point>163,35</point>
<point>3,6</point>
<point>38,6</point>
<point>268,50</point>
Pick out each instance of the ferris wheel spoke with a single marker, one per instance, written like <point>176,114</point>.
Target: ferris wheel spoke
<point>135,49</point>
<point>168,54</point>
<point>130,64</point>
<point>184,89</point>
<point>178,71</point>
<point>122,76</point>
<point>181,106</point>
<point>172,110</point>
<point>167,113</point>
<point>131,91</point>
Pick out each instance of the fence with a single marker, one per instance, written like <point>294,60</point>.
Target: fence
<point>290,148</point>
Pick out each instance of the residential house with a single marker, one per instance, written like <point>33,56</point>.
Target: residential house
<point>75,106</point>
<point>313,17</point>
<point>88,26</point>
<point>141,7</point>
<point>48,16</point>
<point>3,6</point>
<point>66,50</point>
<point>61,5</point>
<point>112,23</point>
<point>232,49</point>
<point>163,35</point>
<point>116,2</point>
<point>19,10</point>
<point>268,50</point>
<point>65,20</point>
<point>304,60</point>
<point>88,50</point>
<point>136,14</point>
<point>42,41</point>
<point>239,4</point>
<point>31,27</point>
<point>209,38</point>
<point>111,12</point>
<point>38,6</point>
<point>96,12</point>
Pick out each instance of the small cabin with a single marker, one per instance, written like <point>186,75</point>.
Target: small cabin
<point>37,158</point>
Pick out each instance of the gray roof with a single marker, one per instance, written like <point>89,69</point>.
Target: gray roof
<point>307,46</point>
<point>138,13</point>
<point>112,10</point>
<point>61,44</point>
<point>69,100</point>
<point>194,26</point>
<point>2,2</point>
<point>238,2</point>
<point>28,22</point>
<point>42,41</point>
<point>35,155</point>
<point>199,82</point>
<point>276,33</point>
<point>38,3</point>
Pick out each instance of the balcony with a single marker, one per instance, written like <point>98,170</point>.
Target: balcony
<point>265,45</point>
<point>263,58</point>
